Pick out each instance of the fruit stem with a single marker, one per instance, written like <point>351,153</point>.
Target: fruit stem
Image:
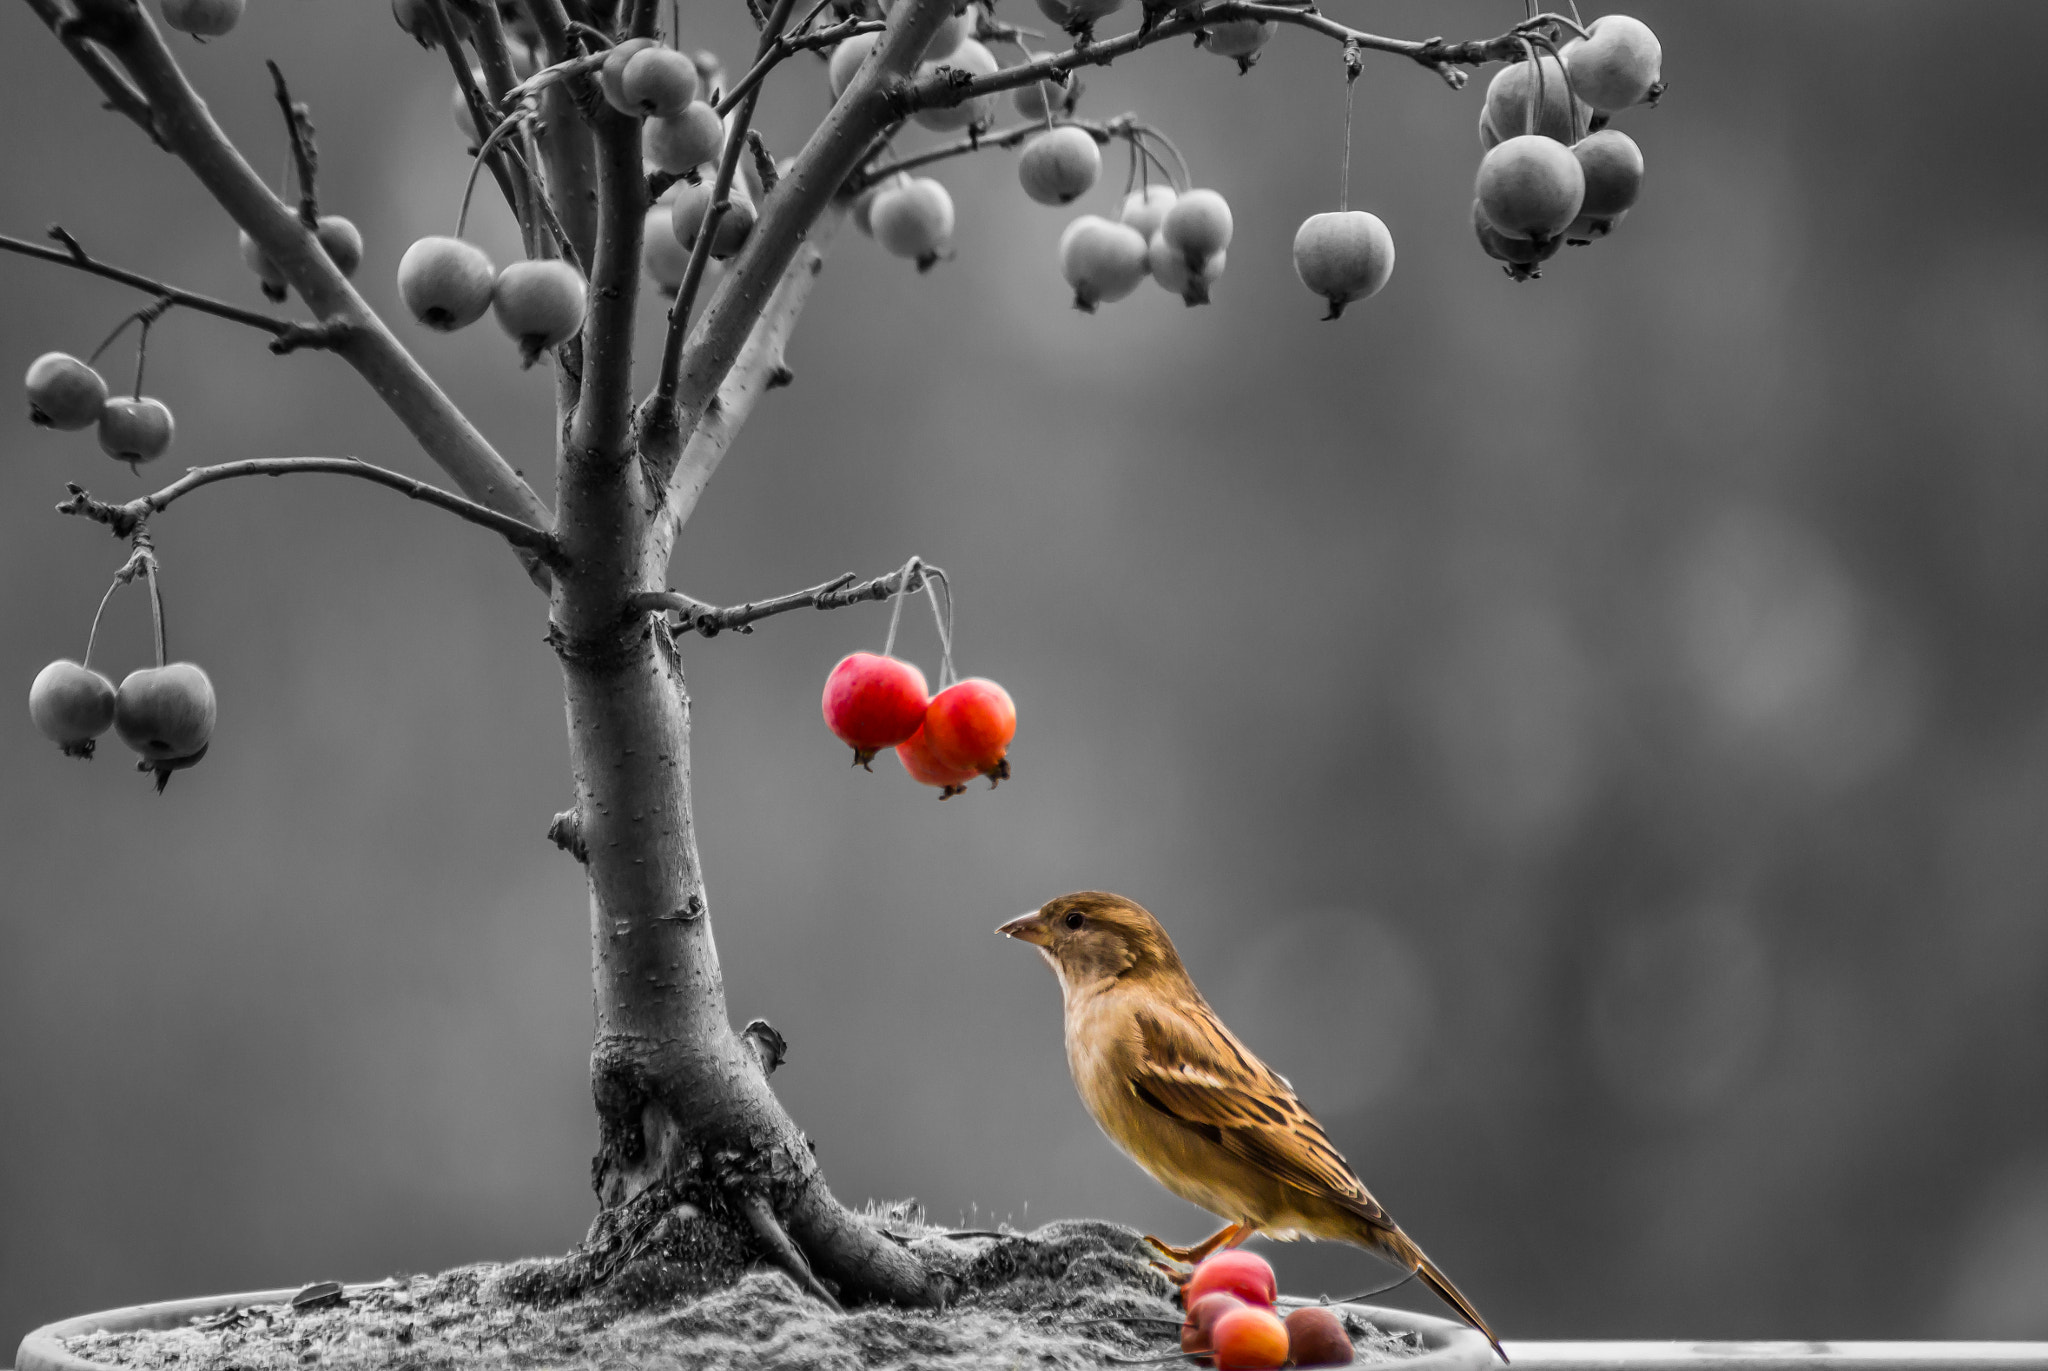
<point>1534,109</point>
<point>910,568</point>
<point>933,579</point>
<point>1353,63</point>
<point>141,354</point>
<point>1187,178</point>
<point>156,596</point>
<point>92,634</point>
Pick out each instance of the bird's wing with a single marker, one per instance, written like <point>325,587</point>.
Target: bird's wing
<point>1194,1070</point>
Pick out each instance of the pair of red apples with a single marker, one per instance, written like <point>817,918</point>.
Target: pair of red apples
<point>944,740</point>
<point>1232,1323</point>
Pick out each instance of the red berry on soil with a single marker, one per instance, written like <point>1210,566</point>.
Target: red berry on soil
<point>64,392</point>
<point>926,768</point>
<point>1316,1337</point>
<point>970,724</point>
<point>135,429</point>
<point>71,706</point>
<point>1201,1322</point>
<point>1249,1338</point>
<point>1237,1272</point>
<point>872,702</point>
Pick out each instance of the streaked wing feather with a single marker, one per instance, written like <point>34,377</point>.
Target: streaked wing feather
<point>1192,1069</point>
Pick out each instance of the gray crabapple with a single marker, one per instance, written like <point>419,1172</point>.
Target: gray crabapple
<point>1040,99</point>
<point>692,203</point>
<point>446,282</point>
<point>1530,187</point>
<point>1488,134</point>
<point>1169,267</point>
<point>1613,167</point>
<point>1060,165</point>
<point>1198,225</point>
<point>1241,39</point>
<point>1519,255</point>
<point>1617,64</point>
<point>64,392</point>
<point>863,210</point>
<point>846,60</point>
<point>343,242</point>
<point>71,705</point>
<point>914,219</point>
<point>1145,208</point>
<point>416,17</point>
<point>465,121</point>
<point>1512,95</point>
<point>958,24</point>
<point>657,81</point>
<point>540,303</point>
<point>969,725</point>
<point>1078,16</point>
<point>1343,256</point>
<point>975,60</point>
<point>135,429</point>
<point>203,18</point>
<point>1102,261</point>
<point>872,702</point>
<point>664,258</point>
<point>611,72</point>
<point>258,261</point>
<point>1586,229</point>
<point>678,142</point>
<point>166,714</point>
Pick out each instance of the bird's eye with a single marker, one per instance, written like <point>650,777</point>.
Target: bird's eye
<point>1074,919</point>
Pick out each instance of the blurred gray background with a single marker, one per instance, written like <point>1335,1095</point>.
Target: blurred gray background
<point>1592,735</point>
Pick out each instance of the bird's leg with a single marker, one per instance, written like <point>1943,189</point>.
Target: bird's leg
<point>1230,1235</point>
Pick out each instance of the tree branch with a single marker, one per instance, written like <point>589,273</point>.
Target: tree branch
<point>122,97</point>
<point>759,368</point>
<point>837,593</point>
<point>660,428</point>
<point>566,144</point>
<point>298,126</point>
<point>443,432</point>
<point>123,519</point>
<point>286,335</point>
<point>1445,59</point>
<point>484,115</point>
<point>788,45</point>
<point>800,201</point>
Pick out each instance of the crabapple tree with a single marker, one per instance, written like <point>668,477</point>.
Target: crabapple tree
<point>639,182</point>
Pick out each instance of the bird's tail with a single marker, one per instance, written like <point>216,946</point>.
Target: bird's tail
<point>1402,1249</point>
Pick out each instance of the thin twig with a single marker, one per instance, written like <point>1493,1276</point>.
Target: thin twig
<point>288,334</point>
<point>1120,127</point>
<point>298,124</point>
<point>787,46</point>
<point>837,593</point>
<point>124,519</point>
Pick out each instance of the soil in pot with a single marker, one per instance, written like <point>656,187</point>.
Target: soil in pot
<point>1072,1294</point>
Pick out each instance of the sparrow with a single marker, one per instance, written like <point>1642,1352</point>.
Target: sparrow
<point>1184,1099</point>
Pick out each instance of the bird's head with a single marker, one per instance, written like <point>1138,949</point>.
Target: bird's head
<point>1092,936</point>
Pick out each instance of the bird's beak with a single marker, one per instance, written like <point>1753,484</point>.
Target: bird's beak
<point>1028,929</point>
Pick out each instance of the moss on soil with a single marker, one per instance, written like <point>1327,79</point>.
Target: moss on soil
<point>1053,1298</point>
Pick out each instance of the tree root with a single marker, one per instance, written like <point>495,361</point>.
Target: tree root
<point>769,1230</point>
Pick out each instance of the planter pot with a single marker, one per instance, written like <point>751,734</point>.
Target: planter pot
<point>1447,1346</point>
